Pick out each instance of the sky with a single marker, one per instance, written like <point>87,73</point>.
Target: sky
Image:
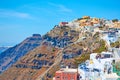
<point>20,19</point>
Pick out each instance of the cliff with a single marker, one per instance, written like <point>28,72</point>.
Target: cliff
<point>67,44</point>
<point>11,55</point>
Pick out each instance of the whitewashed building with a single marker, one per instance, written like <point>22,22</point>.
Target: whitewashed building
<point>99,67</point>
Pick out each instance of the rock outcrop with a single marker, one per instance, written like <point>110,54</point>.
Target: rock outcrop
<point>11,55</point>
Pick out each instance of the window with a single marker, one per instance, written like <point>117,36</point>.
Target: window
<point>58,77</point>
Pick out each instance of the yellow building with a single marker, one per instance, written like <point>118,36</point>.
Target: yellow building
<point>117,25</point>
<point>86,17</point>
<point>95,20</point>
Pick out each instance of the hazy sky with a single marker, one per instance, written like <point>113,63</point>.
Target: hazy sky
<point>21,18</point>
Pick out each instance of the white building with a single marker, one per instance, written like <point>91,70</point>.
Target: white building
<point>99,67</point>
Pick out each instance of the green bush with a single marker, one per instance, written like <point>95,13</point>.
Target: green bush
<point>82,58</point>
<point>117,43</point>
<point>101,48</point>
<point>116,68</point>
<point>115,20</point>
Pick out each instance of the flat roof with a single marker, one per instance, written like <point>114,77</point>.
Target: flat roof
<point>67,70</point>
<point>106,53</point>
<point>112,75</point>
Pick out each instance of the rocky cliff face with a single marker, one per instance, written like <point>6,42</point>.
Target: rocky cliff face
<point>2,49</point>
<point>42,57</point>
<point>66,45</point>
<point>61,36</point>
<point>11,55</point>
<point>33,64</point>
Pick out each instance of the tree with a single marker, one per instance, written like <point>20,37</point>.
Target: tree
<point>115,20</point>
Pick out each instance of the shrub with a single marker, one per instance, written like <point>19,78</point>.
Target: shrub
<point>101,48</point>
<point>82,58</point>
<point>117,43</point>
<point>115,20</point>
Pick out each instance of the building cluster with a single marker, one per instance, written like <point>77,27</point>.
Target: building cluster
<point>91,21</point>
<point>84,21</point>
<point>111,35</point>
<point>99,67</point>
<point>109,29</point>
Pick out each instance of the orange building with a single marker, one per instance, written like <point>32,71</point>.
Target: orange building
<point>66,74</point>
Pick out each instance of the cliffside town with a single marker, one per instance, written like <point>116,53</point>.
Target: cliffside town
<point>71,44</point>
